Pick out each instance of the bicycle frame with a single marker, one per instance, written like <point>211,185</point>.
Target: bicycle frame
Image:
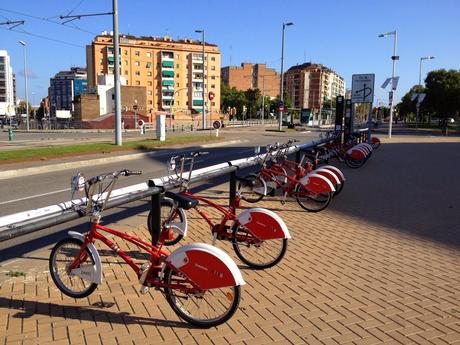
<point>157,258</point>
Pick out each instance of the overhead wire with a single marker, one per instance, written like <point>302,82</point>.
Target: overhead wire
<point>43,37</point>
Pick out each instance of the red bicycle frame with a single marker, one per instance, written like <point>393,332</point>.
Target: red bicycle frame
<point>157,256</point>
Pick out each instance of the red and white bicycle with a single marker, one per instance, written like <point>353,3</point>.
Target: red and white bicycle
<point>200,282</point>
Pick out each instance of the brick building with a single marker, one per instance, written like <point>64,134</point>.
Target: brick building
<point>310,86</point>
<point>252,76</point>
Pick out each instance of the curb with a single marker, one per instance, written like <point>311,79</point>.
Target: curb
<point>98,161</point>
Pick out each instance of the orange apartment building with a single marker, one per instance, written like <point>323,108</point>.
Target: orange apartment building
<point>310,85</point>
<point>171,71</point>
<point>252,76</point>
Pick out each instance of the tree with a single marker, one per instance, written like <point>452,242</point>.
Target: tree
<point>21,108</point>
<point>253,100</point>
<point>443,94</point>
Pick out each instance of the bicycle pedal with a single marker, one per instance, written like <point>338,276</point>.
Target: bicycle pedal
<point>283,202</point>
<point>144,289</point>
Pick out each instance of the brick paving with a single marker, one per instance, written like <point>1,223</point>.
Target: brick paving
<point>380,265</point>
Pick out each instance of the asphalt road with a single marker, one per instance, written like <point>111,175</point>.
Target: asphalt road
<point>40,190</point>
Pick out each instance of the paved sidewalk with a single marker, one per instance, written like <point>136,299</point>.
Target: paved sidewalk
<point>380,265</point>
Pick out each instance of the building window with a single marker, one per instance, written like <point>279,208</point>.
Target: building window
<point>178,103</point>
<point>177,65</point>
<point>138,73</point>
<point>149,92</point>
<point>126,52</point>
<point>177,56</point>
<point>149,74</point>
<point>149,54</point>
<point>126,62</point>
<point>149,83</point>
<point>150,101</point>
<point>126,72</point>
<point>137,63</point>
<point>137,53</point>
<point>213,58</point>
<point>213,77</point>
<point>186,103</point>
<point>177,75</point>
<point>213,86</point>
<point>213,68</point>
<point>213,104</point>
<point>138,82</point>
<point>148,65</point>
<point>177,84</point>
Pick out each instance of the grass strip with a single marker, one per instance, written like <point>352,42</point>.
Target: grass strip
<point>43,153</point>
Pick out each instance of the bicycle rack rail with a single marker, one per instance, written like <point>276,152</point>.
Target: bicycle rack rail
<point>25,222</point>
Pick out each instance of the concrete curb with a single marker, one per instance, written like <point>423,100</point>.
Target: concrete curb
<point>98,161</point>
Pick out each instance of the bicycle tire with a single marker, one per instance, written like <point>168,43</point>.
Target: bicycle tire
<point>221,295</point>
<point>276,256</point>
<point>248,194</point>
<point>317,202</point>
<point>280,176</point>
<point>70,248</point>
<point>165,208</point>
<point>354,163</point>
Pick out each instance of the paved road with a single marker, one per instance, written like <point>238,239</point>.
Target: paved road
<point>29,192</point>
<point>380,265</point>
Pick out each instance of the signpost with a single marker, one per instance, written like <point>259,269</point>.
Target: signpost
<point>362,91</point>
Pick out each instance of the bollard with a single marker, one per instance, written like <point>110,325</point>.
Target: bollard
<point>191,127</point>
<point>10,134</point>
<point>174,128</point>
<point>182,128</point>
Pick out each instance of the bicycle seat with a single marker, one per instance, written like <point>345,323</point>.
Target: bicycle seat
<point>183,201</point>
<point>245,182</point>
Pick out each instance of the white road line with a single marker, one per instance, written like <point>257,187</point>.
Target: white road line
<point>35,196</point>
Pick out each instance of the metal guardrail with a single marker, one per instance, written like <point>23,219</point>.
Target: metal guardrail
<point>33,220</point>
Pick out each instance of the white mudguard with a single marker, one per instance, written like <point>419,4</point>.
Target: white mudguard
<point>317,183</point>
<point>364,146</point>
<point>337,171</point>
<point>92,273</point>
<point>329,174</point>
<point>180,227</point>
<point>263,224</point>
<point>205,265</point>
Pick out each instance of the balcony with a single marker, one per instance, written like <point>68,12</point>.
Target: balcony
<point>167,74</point>
<point>167,64</point>
<point>167,56</point>
<point>197,57</point>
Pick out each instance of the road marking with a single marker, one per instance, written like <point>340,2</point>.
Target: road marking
<point>34,196</point>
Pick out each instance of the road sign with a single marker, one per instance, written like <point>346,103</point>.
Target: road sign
<point>362,90</point>
<point>135,106</point>
<point>211,95</point>
<point>390,97</point>
<point>216,124</point>
<point>281,107</point>
<point>140,123</point>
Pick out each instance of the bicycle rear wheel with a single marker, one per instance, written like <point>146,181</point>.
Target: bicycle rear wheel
<point>206,308</point>
<point>254,193</point>
<point>312,202</point>
<point>255,253</point>
<point>62,255</point>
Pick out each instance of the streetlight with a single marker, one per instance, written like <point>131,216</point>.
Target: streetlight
<point>394,58</point>
<point>203,95</point>
<point>420,84</point>
<point>25,82</point>
<point>280,126</point>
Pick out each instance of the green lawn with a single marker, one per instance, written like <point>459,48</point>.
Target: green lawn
<point>94,148</point>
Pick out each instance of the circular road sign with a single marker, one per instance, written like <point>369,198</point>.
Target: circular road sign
<point>281,107</point>
<point>211,95</point>
<point>216,124</point>
<point>140,123</point>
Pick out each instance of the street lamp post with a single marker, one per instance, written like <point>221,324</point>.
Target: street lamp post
<point>394,58</point>
<point>420,84</point>
<point>203,126</point>
<point>25,82</point>
<point>280,125</point>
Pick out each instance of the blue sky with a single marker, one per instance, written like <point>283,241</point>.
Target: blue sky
<point>340,34</point>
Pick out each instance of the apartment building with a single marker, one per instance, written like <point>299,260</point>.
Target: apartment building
<point>171,70</point>
<point>252,76</point>
<point>7,85</point>
<point>64,87</point>
<point>311,86</point>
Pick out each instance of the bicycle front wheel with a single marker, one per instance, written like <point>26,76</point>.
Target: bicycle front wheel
<point>170,234</point>
<point>256,253</point>
<point>205,308</point>
<point>62,255</point>
<point>254,193</point>
<point>312,202</point>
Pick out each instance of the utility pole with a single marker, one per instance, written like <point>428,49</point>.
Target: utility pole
<point>280,124</point>
<point>25,84</point>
